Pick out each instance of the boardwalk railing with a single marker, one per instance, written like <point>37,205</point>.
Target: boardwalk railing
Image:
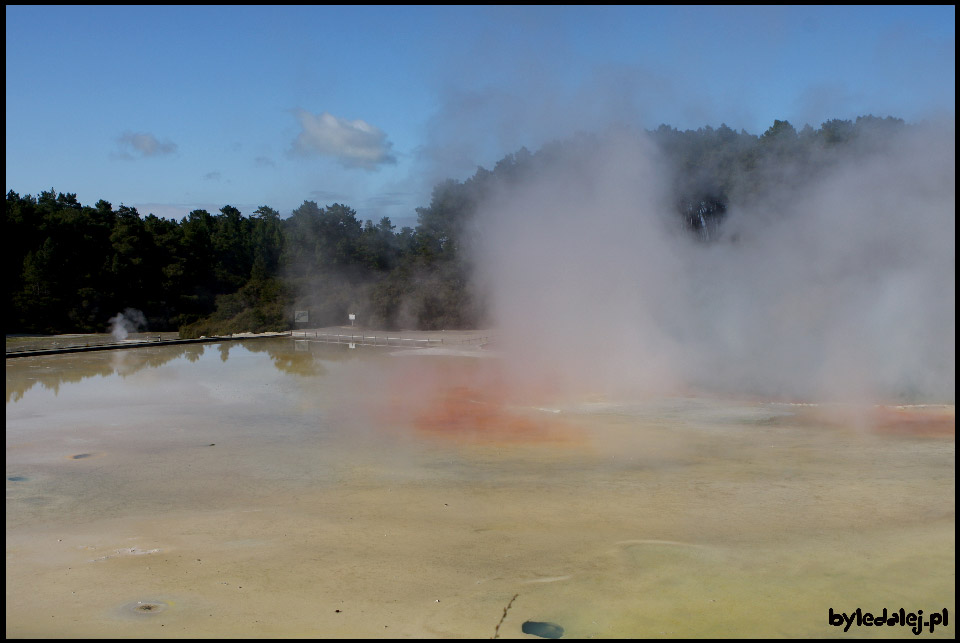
<point>85,345</point>
<point>78,346</point>
<point>383,339</point>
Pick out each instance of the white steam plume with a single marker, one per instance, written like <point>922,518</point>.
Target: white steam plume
<point>841,290</point>
<point>129,321</point>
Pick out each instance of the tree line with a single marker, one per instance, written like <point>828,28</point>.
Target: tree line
<point>71,267</point>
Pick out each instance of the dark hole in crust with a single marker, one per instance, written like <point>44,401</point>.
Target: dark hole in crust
<point>544,630</point>
<point>146,608</point>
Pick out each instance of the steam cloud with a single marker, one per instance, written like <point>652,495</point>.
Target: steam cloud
<point>843,290</point>
<point>129,321</point>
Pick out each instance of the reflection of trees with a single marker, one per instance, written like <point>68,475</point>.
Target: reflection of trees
<point>297,363</point>
<point>193,352</point>
<point>287,358</point>
<point>52,371</point>
<point>303,358</point>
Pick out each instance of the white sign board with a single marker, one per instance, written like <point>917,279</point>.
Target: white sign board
<point>301,316</point>
<point>352,316</point>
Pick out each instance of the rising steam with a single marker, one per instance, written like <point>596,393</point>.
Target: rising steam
<point>129,321</point>
<point>841,289</point>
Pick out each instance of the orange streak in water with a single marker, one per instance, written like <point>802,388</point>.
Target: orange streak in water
<point>916,421</point>
<point>453,402</point>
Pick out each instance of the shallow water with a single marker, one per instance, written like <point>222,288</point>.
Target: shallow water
<point>258,490</point>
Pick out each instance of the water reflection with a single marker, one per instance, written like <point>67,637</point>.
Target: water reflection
<point>52,371</point>
<point>296,358</point>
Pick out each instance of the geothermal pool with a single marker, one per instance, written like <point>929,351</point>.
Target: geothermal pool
<point>258,490</point>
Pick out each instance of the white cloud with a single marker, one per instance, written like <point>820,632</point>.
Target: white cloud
<point>352,143</point>
<point>142,145</point>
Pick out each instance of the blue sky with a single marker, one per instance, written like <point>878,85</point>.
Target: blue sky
<point>169,109</point>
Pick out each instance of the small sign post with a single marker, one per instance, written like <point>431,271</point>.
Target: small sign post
<point>352,317</point>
